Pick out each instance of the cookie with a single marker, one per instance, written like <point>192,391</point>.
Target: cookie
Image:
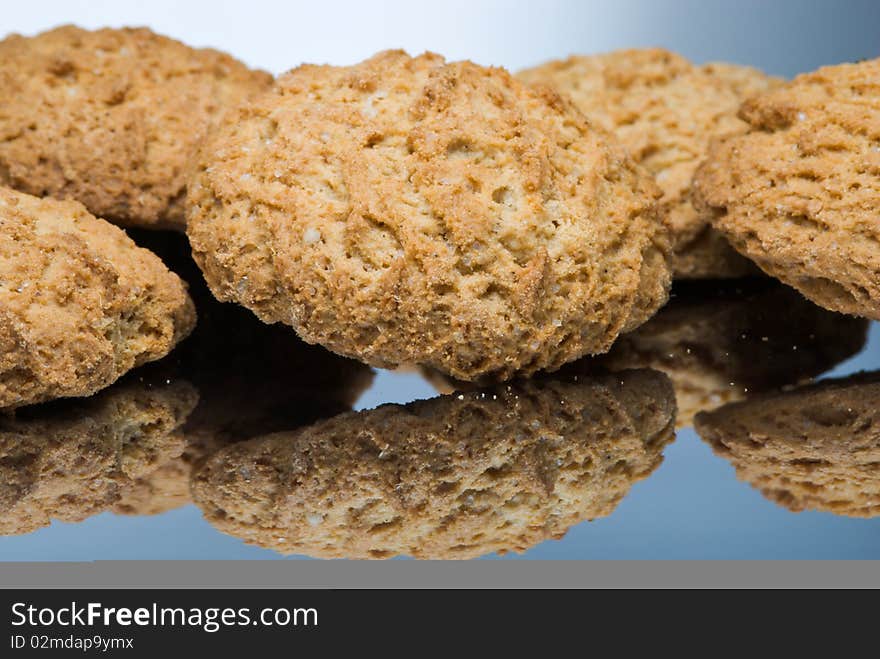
<point>665,110</point>
<point>409,210</point>
<point>459,476</point>
<point>112,118</point>
<point>70,460</point>
<point>813,448</point>
<point>722,342</point>
<point>798,194</point>
<point>80,303</point>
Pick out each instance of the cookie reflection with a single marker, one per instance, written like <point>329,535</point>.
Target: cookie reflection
<point>457,476</point>
<point>251,379</point>
<point>816,447</point>
<point>73,459</point>
<point>721,342</point>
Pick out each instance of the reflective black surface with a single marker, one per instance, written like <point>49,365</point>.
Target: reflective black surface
<point>246,434</point>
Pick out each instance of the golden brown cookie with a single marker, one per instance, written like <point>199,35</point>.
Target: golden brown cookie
<point>410,210</point>
<point>112,118</point>
<point>69,460</point>
<point>812,448</point>
<point>798,194</point>
<point>80,303</point>
<point>452,477</point>
<point>665,110</point>
<point>721,343</point>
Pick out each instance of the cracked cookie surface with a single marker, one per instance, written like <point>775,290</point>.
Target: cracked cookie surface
<point>665,110</point>
<point>409,210</point>
<point>112,118</point>
<point>80,303</point>
<point>799,193</point>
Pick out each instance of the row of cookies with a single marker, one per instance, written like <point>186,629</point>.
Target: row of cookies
<point>402,210</point>
<point>424,479</point>
<point>409,210</point>
<point>464,475</point>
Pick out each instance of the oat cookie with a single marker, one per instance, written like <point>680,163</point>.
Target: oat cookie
<point>410,210</point>
<point>722,342</point>
<point>665,110</point>
<point>69,460</point>
<point>112,118</point>
<point>799,193</point>
<point>452,477</point>
<point>812,448</point>
<point>80,303</point>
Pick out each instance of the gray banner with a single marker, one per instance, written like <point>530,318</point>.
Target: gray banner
<point>429,574</point>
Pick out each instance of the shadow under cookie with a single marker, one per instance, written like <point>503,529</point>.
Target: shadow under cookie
<point>720,342</point>
<point>252,378</point>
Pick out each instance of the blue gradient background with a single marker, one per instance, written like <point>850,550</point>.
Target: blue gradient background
<point>693,506</point>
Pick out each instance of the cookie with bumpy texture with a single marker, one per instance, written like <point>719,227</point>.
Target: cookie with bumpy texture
<point>452,477</point>
<point>80,303</point>
<point>720,343</point>
<point>69,460</point>
<point>812,448</point>
<point>665,110</point>
<point>798,194</point>
<point>410,210</point>
<point>112,118</point>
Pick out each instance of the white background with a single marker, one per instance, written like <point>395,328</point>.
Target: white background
<point>783,36</point>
